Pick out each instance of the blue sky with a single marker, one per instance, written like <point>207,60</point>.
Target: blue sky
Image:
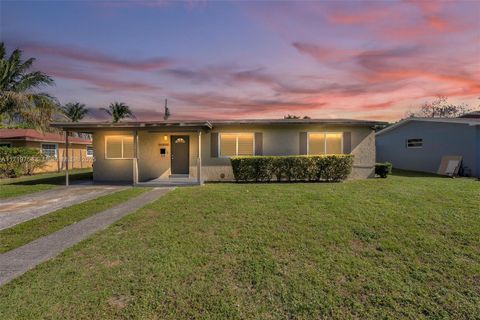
<point>219,59</point>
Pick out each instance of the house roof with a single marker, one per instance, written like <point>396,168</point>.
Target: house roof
<point>34,135</point>
<point>465,121</point>
<point>474,115</point>
<point>79,126</point>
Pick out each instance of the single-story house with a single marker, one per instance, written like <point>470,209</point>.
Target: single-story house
<point>51,145</point>
<point>418,144</point>
<point>199,150</point>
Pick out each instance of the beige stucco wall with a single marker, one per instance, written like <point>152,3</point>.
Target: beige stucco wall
<point>277,140</point>
<point>285,140</point>
<point>151,164</point>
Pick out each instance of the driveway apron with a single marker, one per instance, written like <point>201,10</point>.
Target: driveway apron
<point>19,209</point>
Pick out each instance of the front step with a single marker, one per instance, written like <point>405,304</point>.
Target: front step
<point>178,176</point>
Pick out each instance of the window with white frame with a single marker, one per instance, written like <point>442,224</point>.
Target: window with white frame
<point>50,150</point>
<point>118,147</point>
<point>236,144</point>
<point>89,151</point>
<point>415,143</point>
<point>325,143</point>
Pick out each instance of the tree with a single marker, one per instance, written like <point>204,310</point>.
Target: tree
<point>118,111</point>
<point>440,108</point>
<point>292,116</point>
<point>74,111</point>
<point>20,103</point>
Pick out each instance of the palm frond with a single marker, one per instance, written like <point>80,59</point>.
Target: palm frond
<point>2,50</point>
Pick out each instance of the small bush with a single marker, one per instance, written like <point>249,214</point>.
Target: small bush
<point>15,162</point>
<point>292,168</point>
<point>383,169</point>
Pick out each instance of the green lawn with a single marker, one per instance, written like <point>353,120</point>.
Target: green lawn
<point>28,231</point>
<point>402,247</point>
<point>39,182</point>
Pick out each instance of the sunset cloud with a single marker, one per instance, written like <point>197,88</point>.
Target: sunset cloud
<point>97,82</point>
<point>97,58</point>
<point>359,59</point>
<point>323,53</point>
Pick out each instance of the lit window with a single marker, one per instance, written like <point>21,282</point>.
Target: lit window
<point>49,150</point>
<point>119,147</point>
<point>89,151</point>
<point>325,143</point>
<point>414,143</point>
<point>236,144</point>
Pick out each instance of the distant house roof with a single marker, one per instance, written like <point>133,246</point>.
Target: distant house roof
<point>466,121</point>
<point>79,126</point>
<point>33,135</point>
<point>471,115</point>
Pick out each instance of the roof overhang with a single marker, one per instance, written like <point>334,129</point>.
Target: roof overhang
<point>12,139</point>
<point>183,126</point>
<point>195,125</point>
<point>324,122</point>
<point>464,121</point>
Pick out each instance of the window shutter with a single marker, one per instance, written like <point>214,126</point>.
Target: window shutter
<point>214,144</point>
<point>303,142</point>
<point>258,143</point>
<point>347,142</point>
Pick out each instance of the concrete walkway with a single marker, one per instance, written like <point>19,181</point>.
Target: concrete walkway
<point>19,209</point>
<point>18,261</point>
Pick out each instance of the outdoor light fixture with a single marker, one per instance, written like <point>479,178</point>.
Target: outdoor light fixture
<point>165,137</point>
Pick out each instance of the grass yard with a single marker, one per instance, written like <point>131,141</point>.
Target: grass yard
<point>402,247</point>
<point>30,230</point>
<point>39,182</point>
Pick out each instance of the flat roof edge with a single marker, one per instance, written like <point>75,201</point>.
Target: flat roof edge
<point>209,124</point>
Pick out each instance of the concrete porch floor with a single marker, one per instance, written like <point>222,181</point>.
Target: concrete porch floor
<point>172,181</point>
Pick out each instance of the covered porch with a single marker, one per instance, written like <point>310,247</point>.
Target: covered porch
<point>146,154</point>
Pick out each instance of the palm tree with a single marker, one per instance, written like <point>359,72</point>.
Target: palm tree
<point>19,100</point>
<point>74,111</point>
<point>118,111</point>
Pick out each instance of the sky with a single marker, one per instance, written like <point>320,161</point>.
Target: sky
<point>250,59</point>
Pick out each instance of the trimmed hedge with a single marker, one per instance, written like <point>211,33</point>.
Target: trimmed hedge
<point>331,168</point>
<point>383,169</point>
<point>15,162</point>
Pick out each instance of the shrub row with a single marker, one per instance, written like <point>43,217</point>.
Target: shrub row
<point>292,168</point>
<point>15,162</point>
<point>383,169</point>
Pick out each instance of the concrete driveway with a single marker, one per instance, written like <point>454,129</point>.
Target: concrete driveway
<point>19,209</point>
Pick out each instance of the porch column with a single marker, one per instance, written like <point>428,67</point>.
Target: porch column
<point>66,158</point>
<point>135,157</point>
<point>199,158</point>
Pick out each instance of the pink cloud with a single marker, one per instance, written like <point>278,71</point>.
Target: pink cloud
<point>323,53</point>
<point>99,82</point>
<point>377,106</point>
<point>234,107</point>
<point>87,56</point>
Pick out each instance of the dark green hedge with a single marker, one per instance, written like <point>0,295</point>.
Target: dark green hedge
<point>292,168</point>
<point>383,169</point>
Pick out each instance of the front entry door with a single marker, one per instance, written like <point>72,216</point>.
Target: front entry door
<point>179,154</point>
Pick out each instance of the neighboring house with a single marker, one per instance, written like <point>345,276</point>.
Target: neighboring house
<point>418,144</point>
<point>52,145</point>
<point>471,115</point>
<point>167,150</point>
